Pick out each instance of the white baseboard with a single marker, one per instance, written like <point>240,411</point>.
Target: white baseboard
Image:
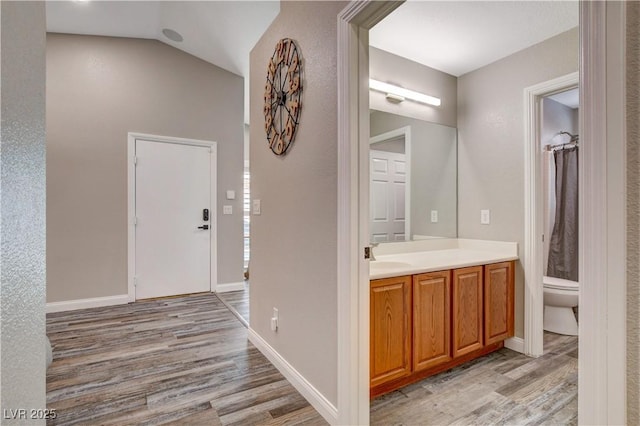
<point>515,344</point>
<point>306,389</point>
<point>223,288</point>
<point>94,302</point>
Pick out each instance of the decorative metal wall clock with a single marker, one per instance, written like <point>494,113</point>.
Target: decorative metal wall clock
<point>282,93</point>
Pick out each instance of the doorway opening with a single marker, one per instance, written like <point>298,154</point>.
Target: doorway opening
<point>602,369</point>
<point>559,141</point>
<point>536,204</point>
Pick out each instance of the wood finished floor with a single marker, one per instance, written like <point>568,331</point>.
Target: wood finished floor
<point>502,388</point>
<point>187,361</point>
<point>238,303</point>
<point>182,361</point>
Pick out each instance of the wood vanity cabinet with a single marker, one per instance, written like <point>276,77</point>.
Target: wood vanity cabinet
<point>498,302</point>
<point>467,310</point>
<point>431,319</point>
<point>423,324</point>
<point>390,329</point>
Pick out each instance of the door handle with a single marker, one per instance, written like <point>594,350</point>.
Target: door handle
<point>203,227</point>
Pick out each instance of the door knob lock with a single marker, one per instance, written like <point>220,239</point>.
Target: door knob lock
<point>203,227</point>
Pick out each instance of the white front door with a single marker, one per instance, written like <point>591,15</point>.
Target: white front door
<point>172,244</point>
<point>387,202</point>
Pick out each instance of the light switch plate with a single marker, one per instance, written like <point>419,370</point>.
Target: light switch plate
<point>256,207</point>
<point>231,194</point>
<point>227,210</point>
<point>434,216</point>
<point>485,217</point>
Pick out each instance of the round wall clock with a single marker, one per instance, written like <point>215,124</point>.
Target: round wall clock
<point>282,93</point>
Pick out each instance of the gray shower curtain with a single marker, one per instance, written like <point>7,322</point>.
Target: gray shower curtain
<point>563,247</point>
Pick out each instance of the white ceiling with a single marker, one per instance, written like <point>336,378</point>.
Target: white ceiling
<point>457,37</point>
<point>220,32</point>
<point>570,98</point>
<point>452,36</point>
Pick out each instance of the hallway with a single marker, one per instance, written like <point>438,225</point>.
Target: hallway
<point>182,360</point>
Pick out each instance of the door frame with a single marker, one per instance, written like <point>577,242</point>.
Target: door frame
<point>131,202</point>
<point>354,22</point>
<point>533,209</point>
<point>602,364</point>
<point>392,134</point>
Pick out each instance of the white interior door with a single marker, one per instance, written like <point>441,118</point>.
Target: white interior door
<point>172,189</point>
<point>387,202</point>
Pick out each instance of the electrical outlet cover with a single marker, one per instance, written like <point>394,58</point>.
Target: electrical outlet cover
<point>485,217</point>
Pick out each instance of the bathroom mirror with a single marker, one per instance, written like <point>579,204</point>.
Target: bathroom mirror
<point>413,179</point>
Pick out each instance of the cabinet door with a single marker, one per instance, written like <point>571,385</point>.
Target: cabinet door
<point>467,310</point>
<point>390,352</point>
<point>498,302</point>
<point>431,319</point>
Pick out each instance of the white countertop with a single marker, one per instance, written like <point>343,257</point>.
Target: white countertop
<point>416,257</point>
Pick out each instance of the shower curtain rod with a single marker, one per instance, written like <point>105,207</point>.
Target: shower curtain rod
<point>573,141</point>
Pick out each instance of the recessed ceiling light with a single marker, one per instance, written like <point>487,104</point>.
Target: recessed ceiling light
<point>172,35</point>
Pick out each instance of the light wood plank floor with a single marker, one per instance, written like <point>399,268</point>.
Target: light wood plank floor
<point>187,361</point>
<point>183,360</point>
<point>504,387</point>
<point>238,303</point>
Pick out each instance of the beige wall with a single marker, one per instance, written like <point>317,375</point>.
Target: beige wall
<point>390,68</point>
<point>22,226</point>
<point>98,90</point>
<point>491,142</point>
<point>633,213</point>
<point>294,240</point>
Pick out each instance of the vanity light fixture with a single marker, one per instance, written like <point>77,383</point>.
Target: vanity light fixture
<point>394,98</point>
<point>398,94</point>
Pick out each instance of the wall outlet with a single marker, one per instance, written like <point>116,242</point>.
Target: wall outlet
<point>434,216</point>
<point>227,210</point>
<point>256,207</point>
<point>274,320</point>
<point>485,217</point>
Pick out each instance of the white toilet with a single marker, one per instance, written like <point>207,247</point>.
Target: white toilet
<point>560,297</point>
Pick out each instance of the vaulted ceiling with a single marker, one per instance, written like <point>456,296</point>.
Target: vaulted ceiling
<point>453,36</point>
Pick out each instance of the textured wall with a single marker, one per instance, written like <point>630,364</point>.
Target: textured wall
<point>491,142</point>
<point>98,90</point>
<point>294,240</point>
<point>390,68</point>
<point>633,213</point>
<point>22,227</point>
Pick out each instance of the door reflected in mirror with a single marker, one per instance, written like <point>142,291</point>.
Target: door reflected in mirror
<point>413,179</point>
